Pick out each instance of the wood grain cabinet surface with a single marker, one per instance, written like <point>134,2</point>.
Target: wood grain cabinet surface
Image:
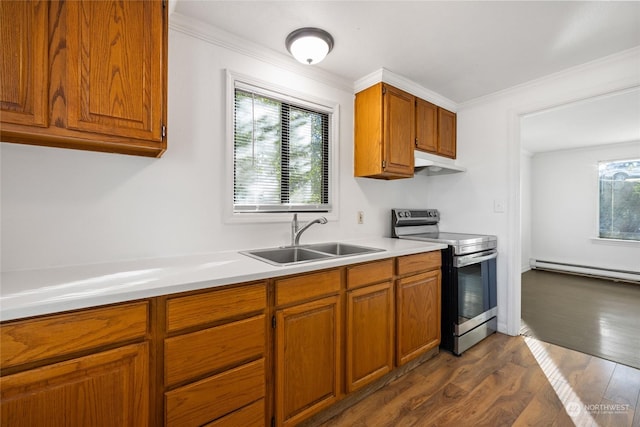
<point>384,133</point>
<point>215,357</point>
<point>369,334</point>
<point>308,345</point>
<point>83,368</point>
<point>418,315</point>
<point>435,129</point>
<point>89,75</point>
<point>447,135</point>
<point>308,359</point>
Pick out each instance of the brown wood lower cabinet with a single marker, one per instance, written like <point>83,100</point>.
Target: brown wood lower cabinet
<point>84,368</point>
<point>215,357</point>
<point>308,359</point>
<point>109,388</point>
<point>418,315</point>
<point>200,402</point>
<point>369,334</point>
<point>308,349</point>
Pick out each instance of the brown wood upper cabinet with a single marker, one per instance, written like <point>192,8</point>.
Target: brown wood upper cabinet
<point>88,75</point>
<point>384,133</point>
<point>435,129</point>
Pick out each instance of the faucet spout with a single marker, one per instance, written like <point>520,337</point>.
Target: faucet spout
<point>297,231</point>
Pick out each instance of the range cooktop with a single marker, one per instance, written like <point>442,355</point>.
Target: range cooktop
<point>422,224</point>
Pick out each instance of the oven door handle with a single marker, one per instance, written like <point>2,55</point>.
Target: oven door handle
<point>473,259</point>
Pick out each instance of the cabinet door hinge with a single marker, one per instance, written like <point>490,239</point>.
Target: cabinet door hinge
<point>273,421</point>
<point>164,131</point>
<point>384,90</point>
<point>384,164</point>
<point>273,322</point>
<point>164,3</point>
<point>416,142</point>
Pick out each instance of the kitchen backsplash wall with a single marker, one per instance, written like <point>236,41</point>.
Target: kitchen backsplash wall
<point>65,207</point>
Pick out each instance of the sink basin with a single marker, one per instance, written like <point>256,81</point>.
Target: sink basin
<point>342,249</point>
<point>307,253</point>
<point>285,256</point>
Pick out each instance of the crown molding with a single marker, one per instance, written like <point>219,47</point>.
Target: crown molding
<point>207,33</point>
<point>633,53</point>
<point>401,82</point>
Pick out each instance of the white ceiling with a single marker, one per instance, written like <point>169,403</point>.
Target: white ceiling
<point>608,119</point>
<point>461,50</point>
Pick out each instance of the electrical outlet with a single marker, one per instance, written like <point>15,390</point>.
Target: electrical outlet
<point>360,217</point>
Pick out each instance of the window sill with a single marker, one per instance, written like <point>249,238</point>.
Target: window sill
<point>261,218</point>
<point>615,242</point>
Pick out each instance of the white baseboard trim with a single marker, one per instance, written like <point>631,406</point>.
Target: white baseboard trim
<point>626,275</point>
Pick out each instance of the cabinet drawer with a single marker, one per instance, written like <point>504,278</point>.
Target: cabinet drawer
<point>419,262</point>
<point>201,402</point>
<point>249,416</point>
<point>190,355</point>
<point>371,272</point>
<point>199,309</point>
<point>308,286</point>
<point>41,338</point>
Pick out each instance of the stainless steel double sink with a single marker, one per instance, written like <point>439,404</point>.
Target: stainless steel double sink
<point>289,255</point>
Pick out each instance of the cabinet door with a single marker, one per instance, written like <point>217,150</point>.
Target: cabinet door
<point>399,131</point>
<point>369,338</point>
<point>104,389</point>
<point>308,356</point>
<point>446,133</point>
<point>115,78</point>
<point>23,76</point>
<point>426,126</point>
<point>418,315</point>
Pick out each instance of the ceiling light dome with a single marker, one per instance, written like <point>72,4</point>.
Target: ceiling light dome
<point>309,45</point>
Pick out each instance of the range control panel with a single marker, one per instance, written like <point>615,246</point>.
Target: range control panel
<point>412,217</point>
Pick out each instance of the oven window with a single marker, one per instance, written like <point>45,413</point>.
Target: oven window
<point>476,289</point>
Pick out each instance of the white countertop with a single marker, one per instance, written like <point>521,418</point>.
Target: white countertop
<point>36,292</point>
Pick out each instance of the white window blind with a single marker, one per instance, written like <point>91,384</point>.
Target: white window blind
<point>281,153</point>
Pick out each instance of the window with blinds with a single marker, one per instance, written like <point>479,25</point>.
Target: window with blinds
<point>281,154</point>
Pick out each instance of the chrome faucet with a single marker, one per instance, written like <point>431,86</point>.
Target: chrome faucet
<point>296,232</point>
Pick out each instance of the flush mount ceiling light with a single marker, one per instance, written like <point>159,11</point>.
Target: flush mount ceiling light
<point>309,45</point>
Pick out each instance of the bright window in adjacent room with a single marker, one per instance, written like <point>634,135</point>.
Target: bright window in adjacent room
<point>281,153</point>
<point>619,199</point>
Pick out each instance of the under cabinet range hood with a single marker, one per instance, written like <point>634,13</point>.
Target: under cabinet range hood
<point>428,164</point>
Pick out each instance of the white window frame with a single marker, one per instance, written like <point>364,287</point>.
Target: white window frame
<point>233,80</point>
<point>596,226</point>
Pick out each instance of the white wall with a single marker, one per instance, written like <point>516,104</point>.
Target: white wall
<point>565,209</point>
<point>489,146</point>
<point>525,209</point>
<point>67,207</point>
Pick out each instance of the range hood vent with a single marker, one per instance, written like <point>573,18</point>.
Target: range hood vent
<point>428,164</point>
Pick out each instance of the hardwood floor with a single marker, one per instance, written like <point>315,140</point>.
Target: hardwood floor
<point>505,381</point>
<point>594,316</point>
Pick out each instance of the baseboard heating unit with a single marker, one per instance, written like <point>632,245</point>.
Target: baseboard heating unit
<point>605,273</point>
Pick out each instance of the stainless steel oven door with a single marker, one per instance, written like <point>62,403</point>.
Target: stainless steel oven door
<point>476,281</point>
